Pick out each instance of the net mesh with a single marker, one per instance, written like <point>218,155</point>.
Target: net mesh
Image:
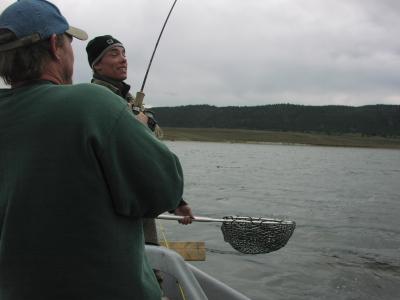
<point>256,235</point>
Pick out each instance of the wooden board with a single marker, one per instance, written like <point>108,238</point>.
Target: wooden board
<point>190,251</point>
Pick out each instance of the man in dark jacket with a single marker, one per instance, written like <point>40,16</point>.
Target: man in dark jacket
<point>107,58</point>
<point>108,61</point>
<point>78,172</point>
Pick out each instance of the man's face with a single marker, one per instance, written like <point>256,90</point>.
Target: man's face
<point>113,64</point>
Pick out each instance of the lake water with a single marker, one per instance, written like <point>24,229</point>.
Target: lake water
<point>345,201</point>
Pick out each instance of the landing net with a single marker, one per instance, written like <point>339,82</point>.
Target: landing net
<point>256,235</point>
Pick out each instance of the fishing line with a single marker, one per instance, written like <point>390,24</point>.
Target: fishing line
<point>163,233</point>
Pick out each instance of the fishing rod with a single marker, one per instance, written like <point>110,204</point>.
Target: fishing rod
<point>140,94</point>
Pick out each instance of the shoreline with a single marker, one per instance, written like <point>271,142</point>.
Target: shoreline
<point>277,137</point>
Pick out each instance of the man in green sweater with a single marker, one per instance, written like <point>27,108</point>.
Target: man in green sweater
<point>78,172</point>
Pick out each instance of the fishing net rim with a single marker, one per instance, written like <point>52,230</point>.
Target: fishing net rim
<point>257,220</point>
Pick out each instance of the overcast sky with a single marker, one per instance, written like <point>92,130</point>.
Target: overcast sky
<point>250,52</point>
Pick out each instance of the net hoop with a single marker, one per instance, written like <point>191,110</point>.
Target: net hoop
<point>256,235</point>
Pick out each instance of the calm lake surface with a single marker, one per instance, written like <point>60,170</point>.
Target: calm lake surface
<point>345,201</point>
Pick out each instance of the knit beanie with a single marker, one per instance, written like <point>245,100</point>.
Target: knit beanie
<point>98,46</point>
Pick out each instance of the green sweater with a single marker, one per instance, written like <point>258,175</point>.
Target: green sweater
<point>77,174</point>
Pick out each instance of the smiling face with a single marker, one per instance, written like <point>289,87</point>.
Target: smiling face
<point>113,64</point>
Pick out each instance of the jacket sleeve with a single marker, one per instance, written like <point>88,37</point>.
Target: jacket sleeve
<point>143,176</point>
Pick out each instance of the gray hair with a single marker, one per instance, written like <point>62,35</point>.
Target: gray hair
<point>24,63</point>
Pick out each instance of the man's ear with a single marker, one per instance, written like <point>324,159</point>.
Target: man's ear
<point>96,68</point>
<point>54,48</point>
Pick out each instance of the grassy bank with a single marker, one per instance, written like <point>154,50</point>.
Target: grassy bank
<point>260,136</point>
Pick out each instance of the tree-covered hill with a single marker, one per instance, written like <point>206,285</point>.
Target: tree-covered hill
<point>382,120</point>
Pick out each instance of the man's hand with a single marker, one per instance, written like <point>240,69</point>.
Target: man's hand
<point>142,118</point>
<point>186,212</point>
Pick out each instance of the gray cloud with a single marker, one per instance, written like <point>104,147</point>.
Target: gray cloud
<point>251,52</point>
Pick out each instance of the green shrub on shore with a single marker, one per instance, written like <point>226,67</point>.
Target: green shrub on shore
<point>261,136</point>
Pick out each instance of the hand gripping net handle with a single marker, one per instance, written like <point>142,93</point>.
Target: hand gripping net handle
<point>250,235</point>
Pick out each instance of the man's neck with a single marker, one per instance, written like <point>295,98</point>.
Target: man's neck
<point>120,85</point>
<point>108,79</point>
<point>54,72</point>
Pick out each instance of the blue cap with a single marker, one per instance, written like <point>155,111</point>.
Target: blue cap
<point>34,20</point>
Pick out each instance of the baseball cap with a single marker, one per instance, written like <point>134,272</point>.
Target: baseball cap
<point>34,20</point>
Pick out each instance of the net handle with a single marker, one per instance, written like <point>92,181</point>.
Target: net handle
<point>206,219</point>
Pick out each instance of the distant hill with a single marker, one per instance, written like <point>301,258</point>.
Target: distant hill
<point>382,120</point>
